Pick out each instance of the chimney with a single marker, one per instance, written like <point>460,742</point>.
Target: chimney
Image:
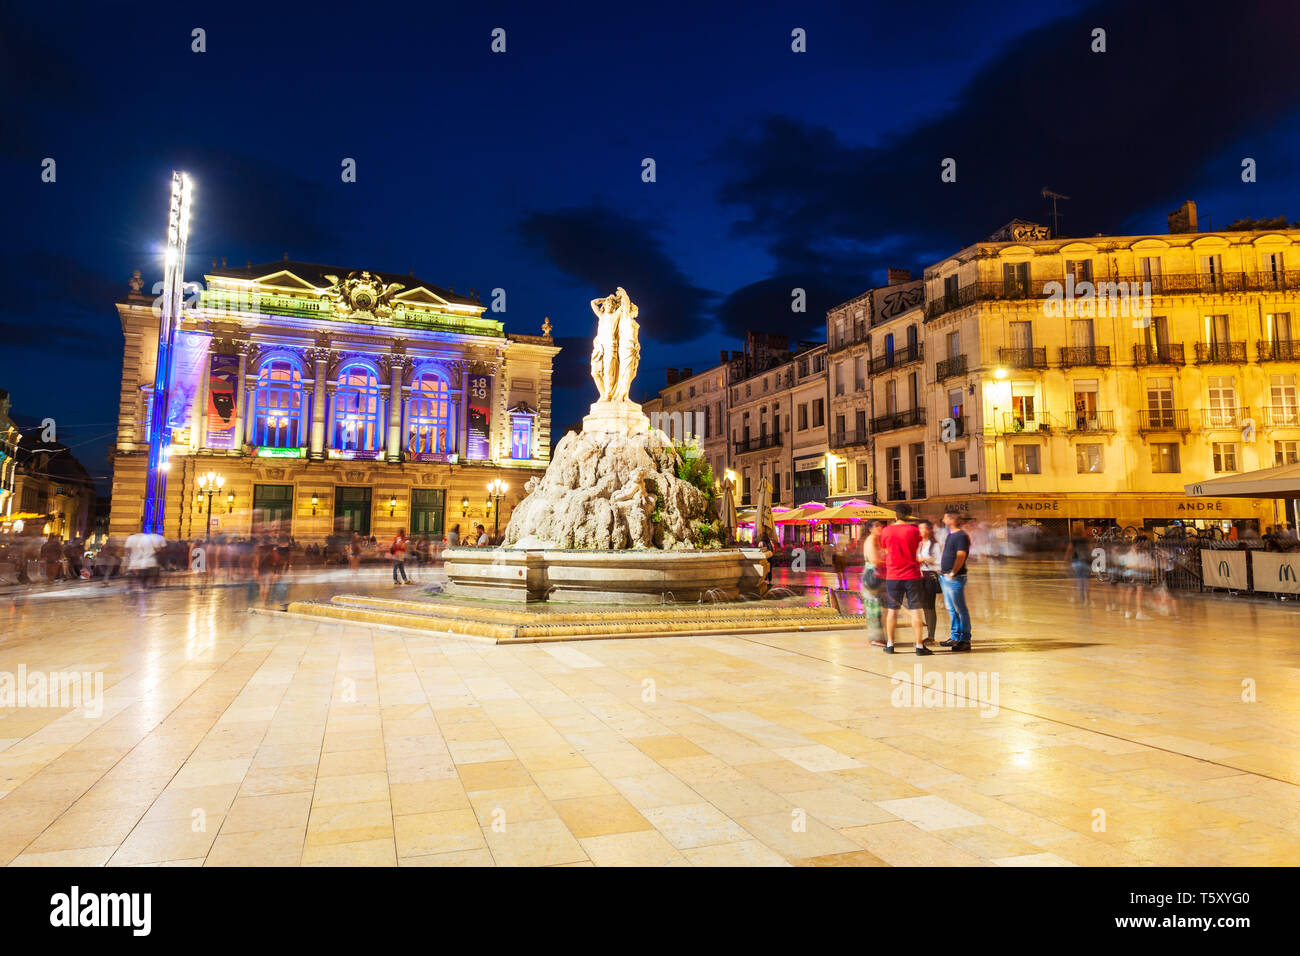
<point>672,376</point>
<point>1183,219</point>
<point>899,275</point>
<point>688,373</point>
<point>724,357</point>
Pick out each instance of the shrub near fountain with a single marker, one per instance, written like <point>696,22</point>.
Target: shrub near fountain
<point>620,516</point>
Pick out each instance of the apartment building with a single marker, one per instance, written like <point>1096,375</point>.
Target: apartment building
<point>1086,381</point>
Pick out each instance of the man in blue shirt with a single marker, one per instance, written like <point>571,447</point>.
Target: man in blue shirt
<point>952,581</point>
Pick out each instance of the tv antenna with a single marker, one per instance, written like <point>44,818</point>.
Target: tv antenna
<point>1056,216</point>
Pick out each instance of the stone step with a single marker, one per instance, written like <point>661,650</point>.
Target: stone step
<point>510,626</point>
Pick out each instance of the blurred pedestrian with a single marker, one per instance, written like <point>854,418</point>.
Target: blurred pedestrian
<point>52,558</point>
<point>952,581</point>
<point>873,581</point>
<point>929,555</point>
<point>398,552</point>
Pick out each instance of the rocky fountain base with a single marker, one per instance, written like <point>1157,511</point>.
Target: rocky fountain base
<point>611,522</point>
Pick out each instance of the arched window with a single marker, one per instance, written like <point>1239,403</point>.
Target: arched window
<point>431,416</point>
<point>358,410</point>
<point>278,405</point>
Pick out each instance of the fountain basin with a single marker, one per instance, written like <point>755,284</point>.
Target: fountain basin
<point>527,575</point>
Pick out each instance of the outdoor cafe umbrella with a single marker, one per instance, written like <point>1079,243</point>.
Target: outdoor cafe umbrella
<point>803,514</point>
<point>1280,482</point>
<point>763,522</point>
<point>850,511</point>
<point>727,509</point>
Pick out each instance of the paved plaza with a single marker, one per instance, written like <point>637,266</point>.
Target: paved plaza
<point>1069,736</point>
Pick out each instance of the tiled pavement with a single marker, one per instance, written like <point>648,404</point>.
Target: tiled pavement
<point>235,739</point>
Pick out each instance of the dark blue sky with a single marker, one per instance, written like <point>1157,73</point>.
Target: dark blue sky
<point>523,170</point>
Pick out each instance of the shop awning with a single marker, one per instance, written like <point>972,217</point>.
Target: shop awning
<point>1280,482</point>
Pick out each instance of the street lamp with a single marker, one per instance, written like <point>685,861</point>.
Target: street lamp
<point>209,484</point>
<point>464,507</point>
<point>497,491</point>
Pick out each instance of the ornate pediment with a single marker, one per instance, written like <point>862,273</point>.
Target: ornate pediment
<point>361,292</point>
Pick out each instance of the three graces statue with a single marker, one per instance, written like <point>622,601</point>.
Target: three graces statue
<point>616,349</point>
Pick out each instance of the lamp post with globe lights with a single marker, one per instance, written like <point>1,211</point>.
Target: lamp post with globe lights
<point>496,491</point>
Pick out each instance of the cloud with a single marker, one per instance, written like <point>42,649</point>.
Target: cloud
<point>73,305</point>
<point>603,249</point>
<point>766,305</point>
<point>1121,132</point>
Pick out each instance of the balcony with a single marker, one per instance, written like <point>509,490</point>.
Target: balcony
<point>1085,355</point>
<point>1023,358</point>
<point>1017,424</point>
<point>1170,353</point>
<point>853,336</point>
<point>759,443</point>
<point>1281,416</point>
<point>1179,283</point>
<point>918,488</point>
<point>904,419</point>
<point>1215,419</point>
<point>960,421</point>
<point>895,493</point>
<point>1163,420</point>
<point>1220,353</point>
<point>896,358</point>
<point>1092,423</point>
<point>845,439</point>
<point>950,368</point>
<point>1284,351</point>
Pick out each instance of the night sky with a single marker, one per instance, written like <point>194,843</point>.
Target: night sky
<point>522,170</point>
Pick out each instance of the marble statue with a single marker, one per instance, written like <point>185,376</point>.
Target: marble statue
<point>616,350</point>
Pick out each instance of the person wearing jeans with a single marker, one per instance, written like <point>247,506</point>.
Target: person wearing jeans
<point>952,581</point>
<point>398,551</point>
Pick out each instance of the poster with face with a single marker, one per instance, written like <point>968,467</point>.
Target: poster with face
<point>480,415</point>
<point>222,382</point>
<point>189,362</point>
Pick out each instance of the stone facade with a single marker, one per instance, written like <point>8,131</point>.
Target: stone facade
<point>371,403</point>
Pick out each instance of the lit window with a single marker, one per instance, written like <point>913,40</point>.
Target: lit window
<point>358,410</point>
<point>1164,458</point>
<point>431,416</point>
<point>1089,459</point>
<point>521,436</point>
<point>279,405</point>
<point>1026,459</point>
<point>1225,456</point>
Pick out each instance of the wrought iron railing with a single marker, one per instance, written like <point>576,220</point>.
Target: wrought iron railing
<point>843,439</point>
<point>1099,421</point>
<point>1282,416</point>
<point>1220,352</point>
<point>1015,424</point>
<point>1284,350</point>
<point>1162,420</point>
<point>1023,357</point>
<point>950,367</point>
<point>1077,355</point>
<point>1213,418</point>
<point>903,419</point>
<point>1168,353</point>
<point>896,358</point>
<point>758,443</point>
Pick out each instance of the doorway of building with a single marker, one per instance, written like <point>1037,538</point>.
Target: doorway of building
<point>427,508</point>
<point>352,510</point>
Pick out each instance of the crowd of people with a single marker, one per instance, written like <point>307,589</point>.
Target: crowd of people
<point>905,563</point>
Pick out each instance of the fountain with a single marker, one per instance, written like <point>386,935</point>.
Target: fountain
<point>612,520</point>
<point>618,539</point>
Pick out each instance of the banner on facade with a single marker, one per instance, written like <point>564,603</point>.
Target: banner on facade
<point>1223,569</point>
<point>1278,573</point>
<point>223,378</point>
<point>189,361</point>
<point>479,445</point>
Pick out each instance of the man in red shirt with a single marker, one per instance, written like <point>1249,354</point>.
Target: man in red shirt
<point>900,541</point>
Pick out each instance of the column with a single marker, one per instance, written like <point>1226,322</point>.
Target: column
<point>320,359</point>
<point>199,414</point>
<point>330,389</point>
<point>393,446</point>
<point>241,400</point>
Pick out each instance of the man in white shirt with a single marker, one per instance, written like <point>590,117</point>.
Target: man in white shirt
<point>482,541</point>
<point>142,558</point>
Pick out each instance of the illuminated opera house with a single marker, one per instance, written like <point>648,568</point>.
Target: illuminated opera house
<point>321,399</point>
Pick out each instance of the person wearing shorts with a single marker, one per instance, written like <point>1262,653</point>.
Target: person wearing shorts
<point>900,542</point>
